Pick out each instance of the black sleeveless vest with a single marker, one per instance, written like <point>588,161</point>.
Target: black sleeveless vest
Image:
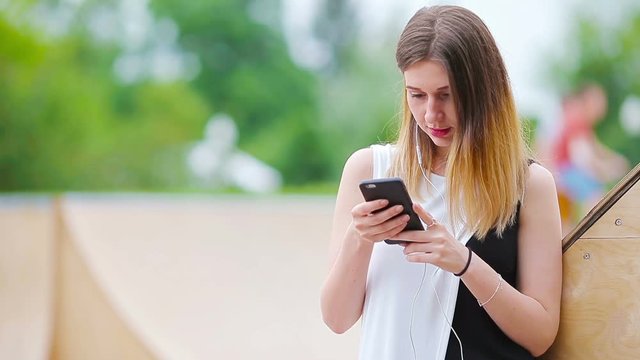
<point>481,338</point>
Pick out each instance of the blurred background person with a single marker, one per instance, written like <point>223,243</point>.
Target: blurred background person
<point>583,164</point>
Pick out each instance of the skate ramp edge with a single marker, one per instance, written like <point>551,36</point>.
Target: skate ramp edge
<point>88,325</point>
<point>50,304</point>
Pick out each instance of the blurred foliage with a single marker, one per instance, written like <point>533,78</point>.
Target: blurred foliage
<point>247,73</point>
<point>361,87</point>
<point>361,103</point>
<point>68,122</point>
<point>65,123</point>
<point>607,54</point>
<point>335,27</point>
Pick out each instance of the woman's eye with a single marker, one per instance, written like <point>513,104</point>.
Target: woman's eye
<point>444,96</point>
<point>416,95</point>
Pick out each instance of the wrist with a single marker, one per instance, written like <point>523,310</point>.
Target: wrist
<point>356,240</point>
<point>468,256</point>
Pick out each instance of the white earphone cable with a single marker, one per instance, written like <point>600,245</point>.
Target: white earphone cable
<point>413,305</point>
<point>424,175</point>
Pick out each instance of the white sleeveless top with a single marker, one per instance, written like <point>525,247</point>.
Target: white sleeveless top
<point>392,284</point>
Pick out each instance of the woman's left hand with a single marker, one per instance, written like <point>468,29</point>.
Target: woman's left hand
<point>435,245</point>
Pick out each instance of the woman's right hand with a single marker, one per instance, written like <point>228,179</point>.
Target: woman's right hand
<point>375,227</point>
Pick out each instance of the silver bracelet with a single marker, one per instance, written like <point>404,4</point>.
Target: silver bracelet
<point>482,304</point>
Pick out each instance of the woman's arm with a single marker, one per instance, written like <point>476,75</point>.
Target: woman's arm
<point>343,292</point>
<point>528,315</point>
<point>355,230</point>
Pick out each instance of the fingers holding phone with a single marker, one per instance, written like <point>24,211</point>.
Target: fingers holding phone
<point>395,192</point>
<point>374,222</point>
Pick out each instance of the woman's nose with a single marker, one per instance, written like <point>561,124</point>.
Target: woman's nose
<point>432,112</point>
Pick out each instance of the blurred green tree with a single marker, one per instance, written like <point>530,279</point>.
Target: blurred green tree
<point>247,73</point>
<point>66,123</point>
<point>361,85</point>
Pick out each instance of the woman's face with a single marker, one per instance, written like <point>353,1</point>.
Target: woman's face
<point>430,101</point>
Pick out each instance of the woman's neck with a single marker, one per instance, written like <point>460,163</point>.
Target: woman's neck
<point>438,165</point>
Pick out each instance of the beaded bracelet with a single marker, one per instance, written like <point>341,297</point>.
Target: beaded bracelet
<point>466,266</point>
<point>482,304</point>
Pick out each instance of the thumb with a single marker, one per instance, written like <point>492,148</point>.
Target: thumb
<point>424,215</point>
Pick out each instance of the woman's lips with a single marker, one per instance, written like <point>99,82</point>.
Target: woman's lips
<point>440,133</point>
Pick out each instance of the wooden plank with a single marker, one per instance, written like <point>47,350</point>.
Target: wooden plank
<point>622,219</point>
<point>618,191</point>
<point>600,317</point>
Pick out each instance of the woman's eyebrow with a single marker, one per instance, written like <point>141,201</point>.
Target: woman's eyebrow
<point>441,88</point>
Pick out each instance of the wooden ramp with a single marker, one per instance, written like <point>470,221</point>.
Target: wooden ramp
<point>27,264</point>
<point>131,276</point>
<point>600,316</point>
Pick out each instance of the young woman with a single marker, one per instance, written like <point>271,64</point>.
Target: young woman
<point>483,281</point>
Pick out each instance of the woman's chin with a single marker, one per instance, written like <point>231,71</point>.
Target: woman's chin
<point>441,143</point>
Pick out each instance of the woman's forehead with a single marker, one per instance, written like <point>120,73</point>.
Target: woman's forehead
<point>426,75</point>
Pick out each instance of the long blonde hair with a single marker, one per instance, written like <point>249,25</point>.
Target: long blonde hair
<point>487,161</point>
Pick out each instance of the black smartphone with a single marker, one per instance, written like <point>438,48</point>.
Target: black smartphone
<point>396,193</point>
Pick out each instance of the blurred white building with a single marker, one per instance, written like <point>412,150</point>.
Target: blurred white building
<point>630,115</point>
<point>215,161</point>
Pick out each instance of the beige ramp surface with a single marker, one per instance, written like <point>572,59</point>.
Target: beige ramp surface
<point>26,276</point>
<point>210,278</point>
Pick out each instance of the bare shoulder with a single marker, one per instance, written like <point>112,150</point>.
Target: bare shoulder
<point>359,165</point>
<point>540,182</point>
<point>540,203</point>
